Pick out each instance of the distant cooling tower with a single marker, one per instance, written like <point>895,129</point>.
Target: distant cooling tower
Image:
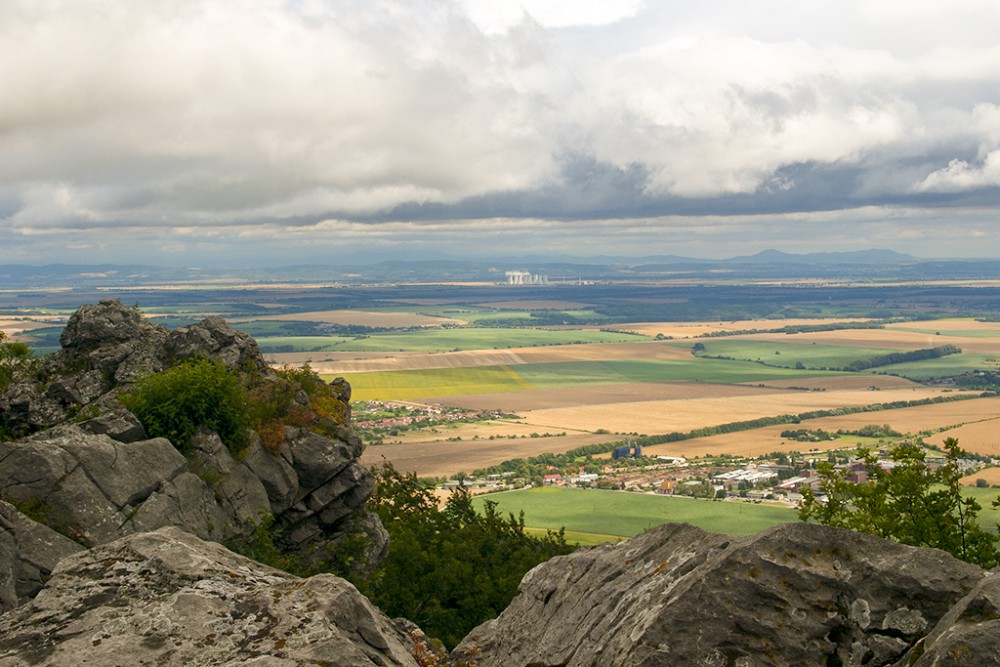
<point>526,278</point>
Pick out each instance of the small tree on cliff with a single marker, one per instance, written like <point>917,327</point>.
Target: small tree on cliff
<point>909,502</point>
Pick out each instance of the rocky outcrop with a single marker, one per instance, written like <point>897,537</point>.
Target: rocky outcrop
<point>798,594</point>
<point>28,553</point>
<point>168,598</point>
<point>87,467</point>
<point>106,345</point>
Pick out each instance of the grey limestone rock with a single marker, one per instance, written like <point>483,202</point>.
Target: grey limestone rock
<point>185,501</point>
<point>28,553</point>
<point>275,472</point>
<point>238,490</point>
<point>214,338</point>
<point>798,594</point>
<point>102,478</point>
<point>118,423</point>
<point>968,635</point>
<point>168,598</point>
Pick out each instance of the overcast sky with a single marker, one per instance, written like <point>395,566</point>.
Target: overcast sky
<point>266,132</point>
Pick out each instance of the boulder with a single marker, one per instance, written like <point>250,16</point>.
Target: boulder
<point>798,594</point>
<point>168,598</point>
<point>215,339</point>
<point>28,553</point>
<point>118,423</point>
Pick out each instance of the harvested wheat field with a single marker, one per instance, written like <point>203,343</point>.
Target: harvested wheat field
<point>919,418</point>
<point>909,421</point>
<point>883,338</point>
<point>991,475</point>
<point>480,431</point>
<point>688,414</point>
<point>441,459</point>
<point>362,318</point>
<point>12,327</point>
<point>693,329</point>
<point>745,443</point>
<point>604,394</point>
<point>981,437</point>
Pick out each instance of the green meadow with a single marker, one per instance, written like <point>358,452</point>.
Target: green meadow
<point>401,385</point>
<point>616,513</point>
<point>789,354</point>
<point>838,356</point>
<point>445,340</point>
<point>953,364</point>
<point>574,373</point>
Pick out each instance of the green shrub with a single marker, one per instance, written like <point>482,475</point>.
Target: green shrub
<point>196,393</point>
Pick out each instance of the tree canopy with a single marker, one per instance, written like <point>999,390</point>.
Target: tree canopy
<point>449,569</point>
<point>907,500</point>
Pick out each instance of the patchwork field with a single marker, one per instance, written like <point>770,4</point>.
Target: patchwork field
<point>655,387</point>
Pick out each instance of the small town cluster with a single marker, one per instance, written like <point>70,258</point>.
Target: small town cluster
<point>778,477</point>
<point>377,419</point>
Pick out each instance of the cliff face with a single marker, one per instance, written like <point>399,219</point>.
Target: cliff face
<point>95,480</point>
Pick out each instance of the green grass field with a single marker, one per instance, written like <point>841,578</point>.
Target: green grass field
<point>563,374</point>
<point>464,338</point>
<point>616,513</point>
<point>398,385</point>
<point>839,356</point>
<point>989,516</point>
<point>788,354</point>
<point>953,364</point>
<point>393,385</point>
